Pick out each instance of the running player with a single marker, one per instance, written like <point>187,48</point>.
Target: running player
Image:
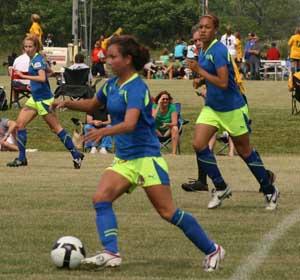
<point>225,109</point>
<point>39,104</point>
<point>138,160</point>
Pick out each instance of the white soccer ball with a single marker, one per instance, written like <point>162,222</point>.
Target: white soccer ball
<point>67,252</point>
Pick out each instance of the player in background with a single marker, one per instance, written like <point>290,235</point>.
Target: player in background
<point>224,109</point>
<point>39,104</point>
<point>138,159</point>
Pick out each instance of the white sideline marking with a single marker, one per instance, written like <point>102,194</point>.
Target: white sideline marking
<point>253,261</point>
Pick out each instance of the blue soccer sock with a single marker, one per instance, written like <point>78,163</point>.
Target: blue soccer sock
<point>202,176</point>
<point>257,168</point>
<point>67,141</point>
<point>193,231</point>
<point>21,142</point>
<point>107,227</point>
<point>209,166</point>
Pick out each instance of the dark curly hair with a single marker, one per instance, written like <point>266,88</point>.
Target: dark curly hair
<point>157,97</point>
<point>128,45</point>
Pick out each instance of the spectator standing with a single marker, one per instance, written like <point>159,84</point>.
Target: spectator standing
<point>273,52</point>
<point>229,40</point>
<point>254,58</point>
<point>294,44</point>
<point>36,28</point>
<point>250,42</point>
<point>180,50</point>
<point>98,60</point>
<point>191,49</point>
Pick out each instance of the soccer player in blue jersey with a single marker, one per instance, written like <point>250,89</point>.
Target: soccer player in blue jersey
<point>39,104</point>
<point>138,161</point>
<point>224,109</point>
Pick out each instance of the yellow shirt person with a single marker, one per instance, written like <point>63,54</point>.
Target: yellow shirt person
<point>36,28</point>
<point>294,44</point>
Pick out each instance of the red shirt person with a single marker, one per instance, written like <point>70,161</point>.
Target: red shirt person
<point>273,53</point>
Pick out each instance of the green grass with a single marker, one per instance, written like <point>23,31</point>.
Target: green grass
<point>49,199</point>
<point>274,128</point>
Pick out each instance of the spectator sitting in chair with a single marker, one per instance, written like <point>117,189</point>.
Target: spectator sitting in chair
<point>98,119</point>
<point>21,63</point>
<point>166,118</point>
<point>79,64</point>
<point>8,141</point>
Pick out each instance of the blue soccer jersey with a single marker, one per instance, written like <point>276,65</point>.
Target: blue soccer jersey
<point>222,100</point>
<point>134,93</point>
<point>39,90</point>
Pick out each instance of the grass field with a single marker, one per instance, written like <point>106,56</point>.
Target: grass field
<point>49,199</point>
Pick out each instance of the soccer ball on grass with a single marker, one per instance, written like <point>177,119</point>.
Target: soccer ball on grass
<point>67,252</point>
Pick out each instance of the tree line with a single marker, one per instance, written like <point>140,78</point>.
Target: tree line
<point>156,23</point>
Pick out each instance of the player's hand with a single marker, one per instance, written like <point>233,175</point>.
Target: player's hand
<point>94,134</point>
<point>193,65</point>
<point>19,74</point>
<point>57,105</point>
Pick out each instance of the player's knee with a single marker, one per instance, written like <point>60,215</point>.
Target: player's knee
<point>243,152</point>
<point>20,124</point>
<point>165,214</point>
<point>98,197</point>
<point>198,146</point>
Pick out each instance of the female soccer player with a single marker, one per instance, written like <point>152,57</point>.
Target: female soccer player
<point>39,104</point>
<point>224,109</point>
<point>138,160</point>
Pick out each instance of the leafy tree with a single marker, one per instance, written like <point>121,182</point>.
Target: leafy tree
<point>155,23</point>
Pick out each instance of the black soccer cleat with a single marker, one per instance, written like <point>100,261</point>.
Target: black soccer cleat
<point>17,163</point>
<point>78,161</point>
<point>194,186</point>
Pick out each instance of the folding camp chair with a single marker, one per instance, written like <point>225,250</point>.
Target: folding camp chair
<point>165,141</point>
<point>18,90</point>
<point>76,84</point>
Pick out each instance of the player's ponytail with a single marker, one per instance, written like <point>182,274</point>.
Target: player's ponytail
<point>129,46</point>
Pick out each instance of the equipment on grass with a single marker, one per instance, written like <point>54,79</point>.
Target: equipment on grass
<point>67,252</point>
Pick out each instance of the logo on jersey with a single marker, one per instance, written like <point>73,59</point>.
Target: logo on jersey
<point>37,65</point>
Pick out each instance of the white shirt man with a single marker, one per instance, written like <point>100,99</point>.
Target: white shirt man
<point>21,64</point>
<point>229,41</point>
